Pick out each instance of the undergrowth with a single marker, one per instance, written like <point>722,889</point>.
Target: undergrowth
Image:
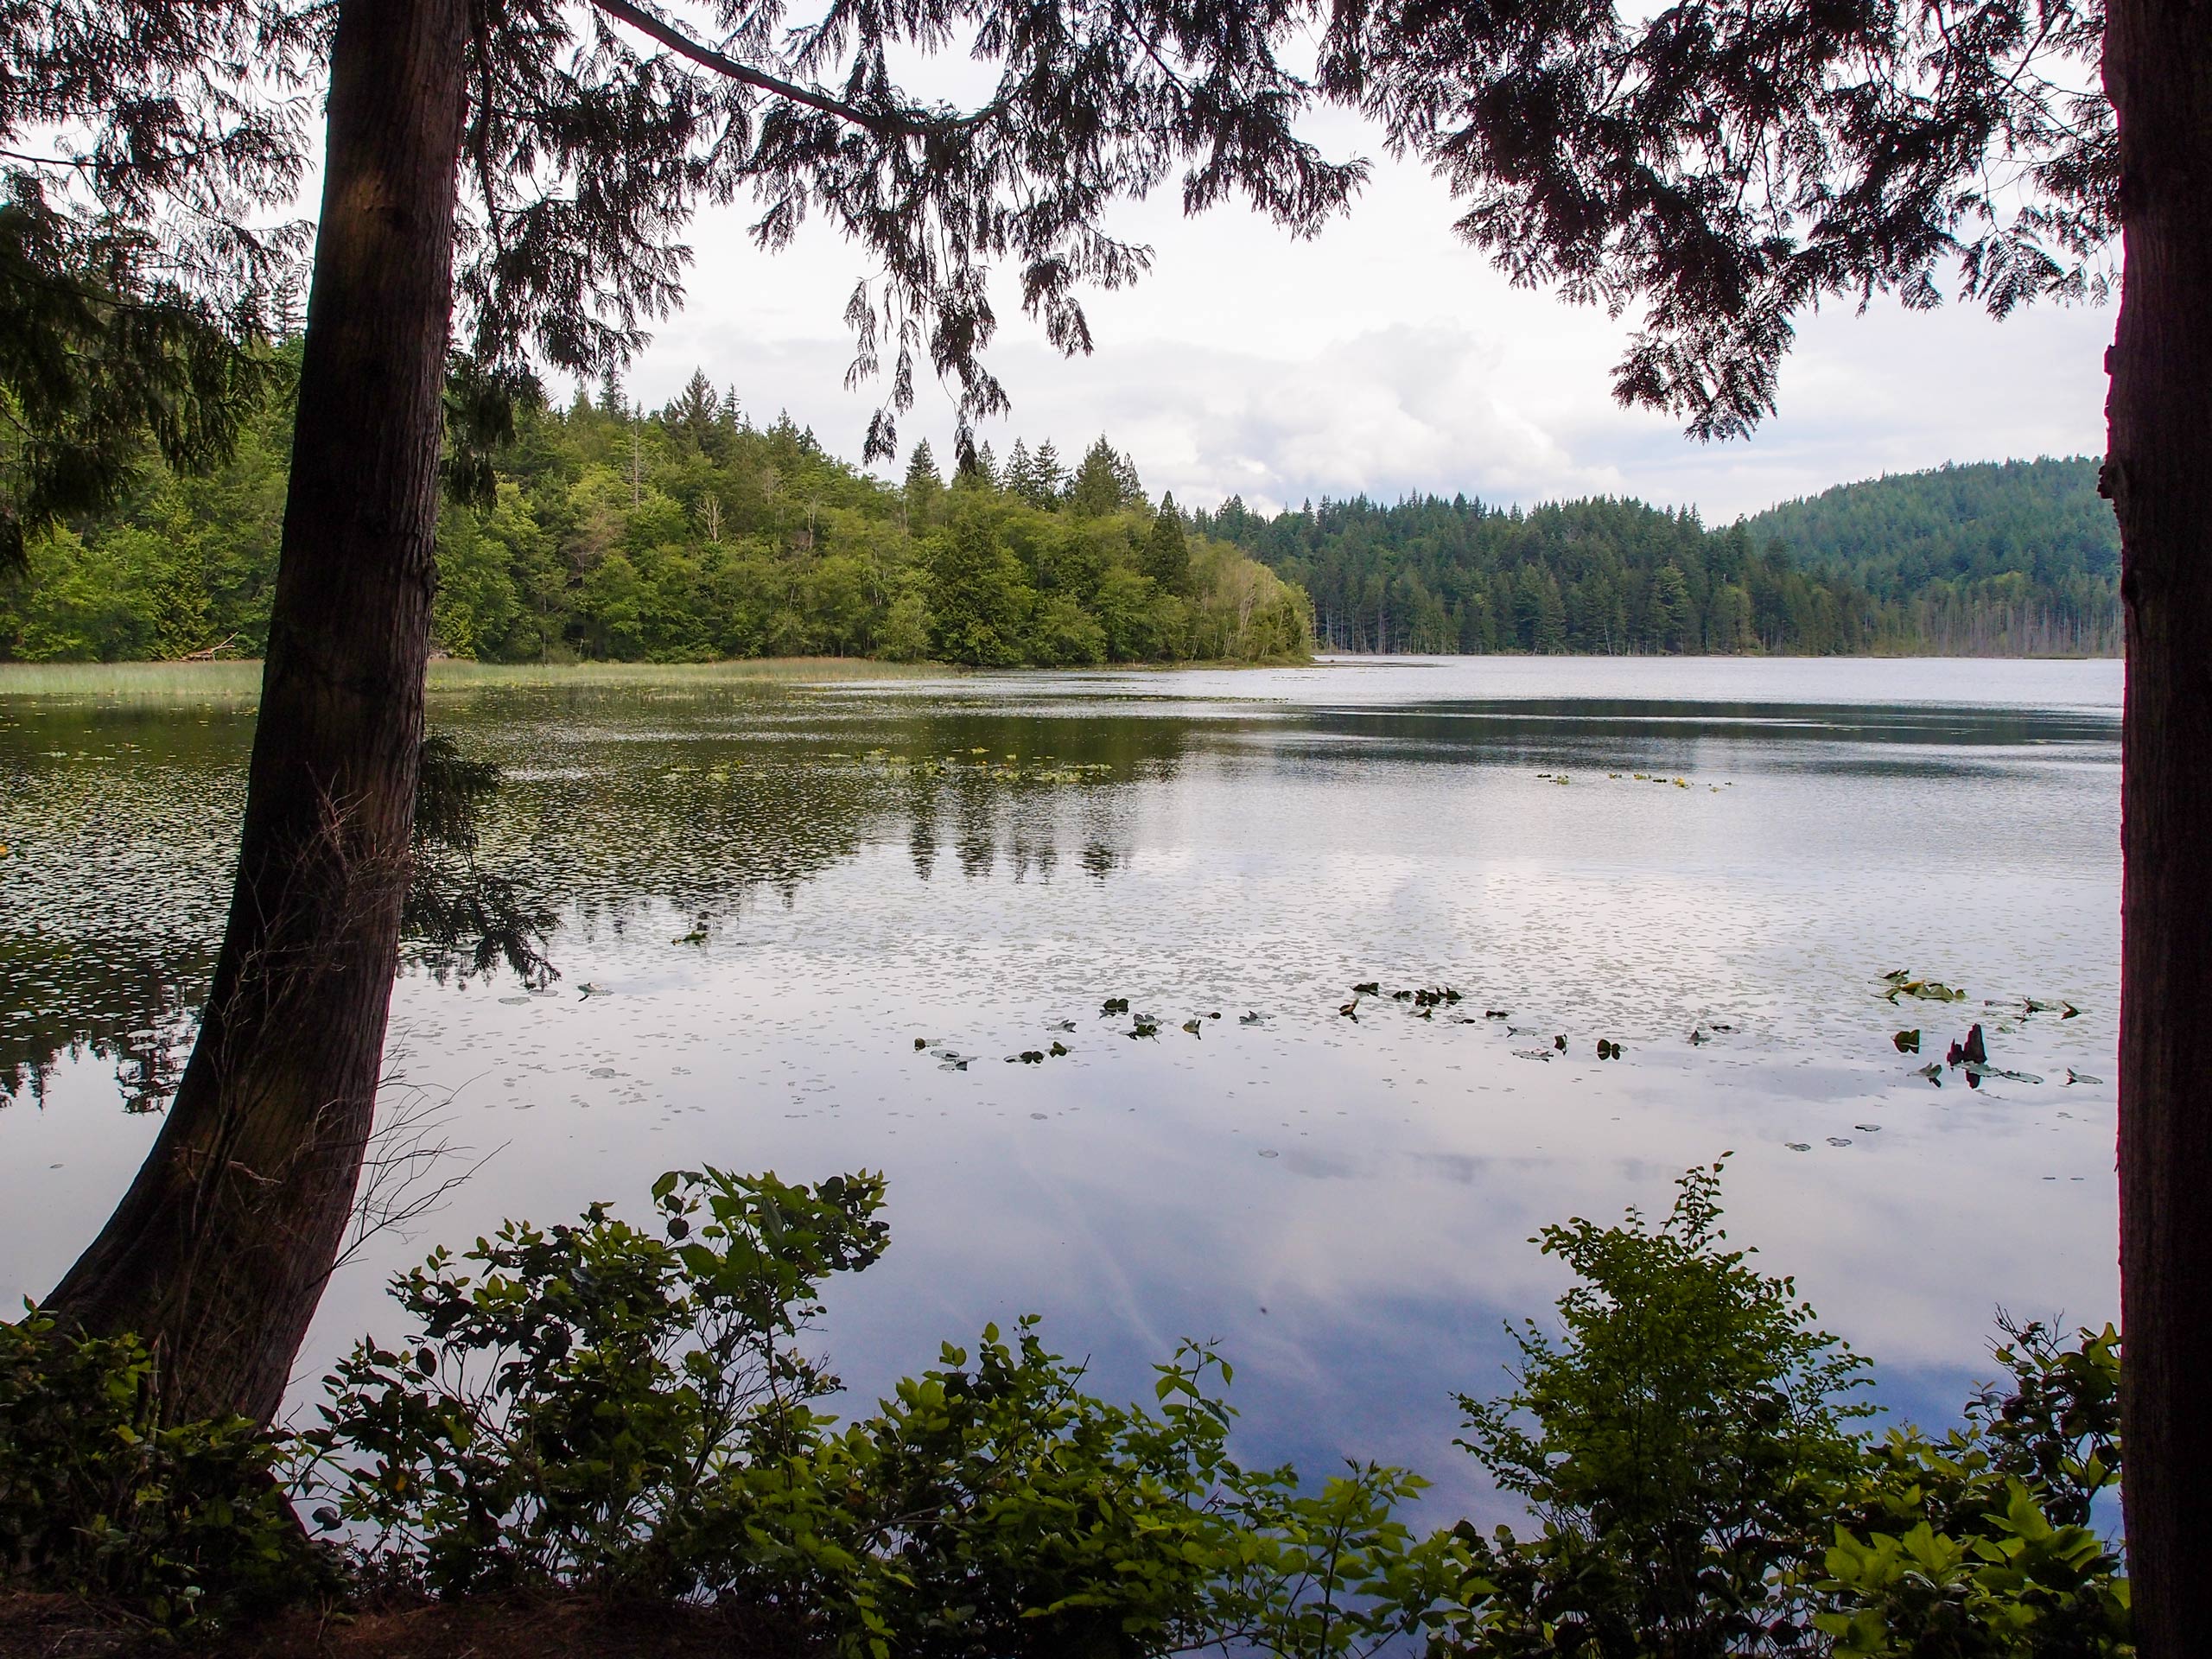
<point>633,1409</point>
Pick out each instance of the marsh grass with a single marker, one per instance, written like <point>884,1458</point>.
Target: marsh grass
<point>240,682</point>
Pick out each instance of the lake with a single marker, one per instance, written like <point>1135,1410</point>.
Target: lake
<point>771,892</point>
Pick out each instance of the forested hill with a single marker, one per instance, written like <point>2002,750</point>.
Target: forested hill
<point>2012,559</point>
<point>2040,522</point>
<point>687,533</point>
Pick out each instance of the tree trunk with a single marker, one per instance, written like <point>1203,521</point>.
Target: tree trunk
<point>2159,71</point>
<point>218,1252</point>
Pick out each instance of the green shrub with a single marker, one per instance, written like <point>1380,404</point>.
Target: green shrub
<point>1687,1449</point>
<point>562,1417</point>
<point>600,1406</point>
<point>184,1524</point>
<point>1979,1546</point>
<point>607,1407</point>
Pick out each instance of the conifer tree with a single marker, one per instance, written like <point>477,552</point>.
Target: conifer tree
<point>1021,474</point>
<point>1047,478</point>
<point>978,466</point>
<point>513,180</point>
<point>693,414</point>
<point>921,470</point>
<point>1166,551</point>
<point>1100,485</point>
<point>923,487</point>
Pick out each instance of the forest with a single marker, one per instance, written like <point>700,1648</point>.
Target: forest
<point>616,533</point>
<point>2013,559</point>
<point>689,534</point>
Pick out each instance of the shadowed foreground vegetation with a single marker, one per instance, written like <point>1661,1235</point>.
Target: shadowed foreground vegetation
<point>615,1428</point>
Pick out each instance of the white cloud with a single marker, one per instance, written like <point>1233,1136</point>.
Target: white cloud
<point>1385,356</point>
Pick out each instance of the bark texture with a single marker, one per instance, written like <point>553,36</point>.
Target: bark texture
<point>2159,71</point>
<point>218,1252</point>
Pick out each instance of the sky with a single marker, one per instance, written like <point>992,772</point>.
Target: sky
<point>1387,357</point>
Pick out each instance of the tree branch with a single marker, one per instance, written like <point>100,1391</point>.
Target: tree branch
<point>889,123</point>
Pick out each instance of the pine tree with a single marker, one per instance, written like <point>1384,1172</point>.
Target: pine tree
<point>1166,551</point>
<point>982,466</point>
<point>1047,478</point>
<point>924,487</point>
<point>693,416</point>
<point>1021,475</point>
<point>1100,486</point>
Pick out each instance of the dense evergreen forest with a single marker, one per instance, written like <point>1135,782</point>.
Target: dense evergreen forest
<point>2012,559</point>
<point>689,534</point>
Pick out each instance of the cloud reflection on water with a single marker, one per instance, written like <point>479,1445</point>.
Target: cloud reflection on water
<point>1256,841</point>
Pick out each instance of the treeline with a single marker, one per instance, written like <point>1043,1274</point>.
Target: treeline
<point>2010,558</point>
<point>687,534</point>
<point>1988,560</point>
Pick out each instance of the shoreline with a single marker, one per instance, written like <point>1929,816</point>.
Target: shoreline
<point>239,678</point>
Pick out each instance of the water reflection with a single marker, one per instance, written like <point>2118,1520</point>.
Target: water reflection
<point>773,894</point>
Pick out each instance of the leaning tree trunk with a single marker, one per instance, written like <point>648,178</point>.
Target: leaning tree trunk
<point>218,1252</point>
<point>2159,70</point>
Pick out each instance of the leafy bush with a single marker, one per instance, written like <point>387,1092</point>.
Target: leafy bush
<point>1980,1544</point>
<point>607,1407</point>
<point>564,1417</point>
<point>1682,1449</point>
<point>1688,1451</point>
<point>595,1406</point>
<point>184,1523</point>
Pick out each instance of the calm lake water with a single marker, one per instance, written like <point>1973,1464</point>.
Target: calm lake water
<point>1344,1206</point>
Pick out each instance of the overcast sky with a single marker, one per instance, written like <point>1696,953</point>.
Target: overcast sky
<point>1388,357</point>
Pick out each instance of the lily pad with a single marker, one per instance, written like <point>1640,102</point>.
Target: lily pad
<point>1927,990</point>
<point>1977,1069</point>
<point>1908,1042</point>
